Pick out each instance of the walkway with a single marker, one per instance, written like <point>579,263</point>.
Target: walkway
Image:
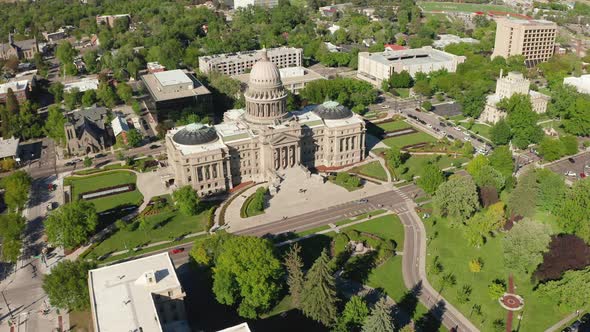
<point>565,320</point>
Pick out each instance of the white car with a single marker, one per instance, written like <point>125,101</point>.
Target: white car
<point>466,139</point>
<point>384,106</point>
<point>458,128</point>
<point>429,125</point>
<point>570,173</point>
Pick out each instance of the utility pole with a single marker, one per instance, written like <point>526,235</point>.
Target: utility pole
<point>8,306</point>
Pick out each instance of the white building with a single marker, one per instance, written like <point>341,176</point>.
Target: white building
<point>240,62</point>
<point>294,78</point>
<point>9,148</point>
<point>238,328</point>
<point>446,40</point>
<point>82,85</point>
<point>506,87</point>
<point>377,67</point>
<point>139,295</point>
<point>582,83</point>
<point>263,3</point>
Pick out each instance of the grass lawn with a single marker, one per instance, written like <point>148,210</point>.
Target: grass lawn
<point>481,129</point>
<point>248,209</point>
<point>359,217</point>
<point>312,230</point>
<point>462,7</point>
<point>416,164</point>
<point>372,170</point>
<point>82,185</point>
<point>386,227</point>
<point>400,141</point>
<point>457,118</point>
<point>167,225</point>
<point>403,92</point>
<point>393,125</point>
<point>346,185</point>
<point>454,253</point>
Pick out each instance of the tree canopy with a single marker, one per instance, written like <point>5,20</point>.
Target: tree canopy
<point>187,200</point>
<point>457,198</point>
<point>67,285</point>
<point>71,224</point>
<point>525,244</point>
<point>17,186</point>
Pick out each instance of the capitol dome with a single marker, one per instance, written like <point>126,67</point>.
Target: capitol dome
<point>266,98</point>
<point>195,134</point>
<point>265,73</point>
<point>331,110</point>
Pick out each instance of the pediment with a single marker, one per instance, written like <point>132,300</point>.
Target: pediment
<point>284,139</point>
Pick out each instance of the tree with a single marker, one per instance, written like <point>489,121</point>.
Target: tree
<point>457,198</point>
<point>88,98</point>
<point>571,291</point>
<point>475,265</point>
<point>57,90</point>
<point>11,102</point>
<point>11,228</point>
<point>67,285</point>
<point>134,138</point>
<point>7,128</point>
<point>501,160</point>
<point>400,80</point>
<point>247,272</point>
<point>380,318</point>
<point>525,244</point>
<point>431,178</point>
<point>551,148</point>
<point>295,279</point>
<point>551,190</point>
<point>89,58</point>
<point>125,92</point>
<point>71,224</point>
<point>489,177</point>
<point>467,150</point>
<point>463,294</point>
<point>566,252</point>
<point>427,106</point>
<point>394,157</point>
<point>475,166</point>
<point>354,313</point>
<point>17,186</point>
<point>54,126</point>
<point>569,144</point>
<point>205,251</point>
<point>187,200</point>
<point>522,120</point>
<point>481,225</point>
<point>500,133</point>
<point>422,87</point>
<point>72,98</point>
<point>496,289</point>
<point>87,161</point>
<point>106,95</point>
<point>523,199</point>
<point>574,210</point>
<point>318,300</point>
<point>65,53</point>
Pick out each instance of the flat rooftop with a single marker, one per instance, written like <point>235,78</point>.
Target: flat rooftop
<point>289,75</point>
<point>15,86</point>
<point>228,57</point>
<point>8,147</point>
<point>527,22</point>
<point>152,82</point>
<point>82,85</point>
<point>172,77</point>
<point>414,56</point>
<point>122,299</point>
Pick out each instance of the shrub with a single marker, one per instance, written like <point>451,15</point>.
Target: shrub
<point>475,265</point>
<point>496,289</point>
<point>353,235</point>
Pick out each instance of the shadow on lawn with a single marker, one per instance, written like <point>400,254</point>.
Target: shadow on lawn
<point>432,320</point>
<point>409,302</point>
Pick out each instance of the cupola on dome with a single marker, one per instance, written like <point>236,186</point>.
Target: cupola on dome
<point>331,110</point>
<point>195,134</point>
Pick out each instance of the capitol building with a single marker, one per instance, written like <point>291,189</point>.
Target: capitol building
<point>259,143</point>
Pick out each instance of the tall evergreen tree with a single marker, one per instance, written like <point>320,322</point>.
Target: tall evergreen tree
<point>380,318</point>
<point>295,280</point>
<point>5,128</point>
<point>318,300</point>
<point>11,103</point>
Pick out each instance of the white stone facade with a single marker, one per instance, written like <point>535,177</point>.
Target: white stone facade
<point>260,141</point>
<point>506,87</point>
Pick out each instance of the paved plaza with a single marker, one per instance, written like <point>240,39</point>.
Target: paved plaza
<point>297,195</point>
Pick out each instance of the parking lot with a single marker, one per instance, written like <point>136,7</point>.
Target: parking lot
<point>572,165</point>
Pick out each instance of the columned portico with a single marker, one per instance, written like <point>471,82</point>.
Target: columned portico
<point>286,156</point>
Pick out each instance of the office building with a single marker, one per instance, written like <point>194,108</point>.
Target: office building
<point>175,89</point>
<point>506,87</point>
<point>139,295</point>
<point>377,67</point>
<point>240,62</point>
<point>582,83</point>
<point>535,39</point>
<point>264,139</point>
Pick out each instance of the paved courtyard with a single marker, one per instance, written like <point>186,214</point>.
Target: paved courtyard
<point>566,165</point>
<point>289,201</point>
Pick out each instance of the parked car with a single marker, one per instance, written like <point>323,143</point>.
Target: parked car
<point>362,201</point>
<point>570,173</point>
<point>70,163</point>
<point>385,106</point>
<point>451,136</point>
<point>571,160</point>
<point>429,125</point>
<point>583,175</point>
<point>177,250</point>
<point>154,146</point>
<point>100,155</point>
<point>442,124</point>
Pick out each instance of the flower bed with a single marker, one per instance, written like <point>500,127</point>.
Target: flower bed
<point>104,192</point>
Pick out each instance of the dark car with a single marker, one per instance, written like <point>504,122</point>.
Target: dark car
<point>442,124</point>
<point>100,155</point>
<point>154,146</point>
<point>571,160</point>
<point>451,136</point>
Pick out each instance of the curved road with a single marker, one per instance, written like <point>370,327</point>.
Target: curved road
<point>414,257</point>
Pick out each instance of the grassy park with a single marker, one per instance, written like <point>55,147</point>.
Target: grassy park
<point>94,182</point>
<point>161,224</point>
<point>481,129</point>
<point>416,163</point>
<point>454,254</point>
<point>393,125</point>
<point>372,170</point>
<point>398,142</point>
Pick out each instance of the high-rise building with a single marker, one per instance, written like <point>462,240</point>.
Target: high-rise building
<point>535,39</point>
<point>238,63</point>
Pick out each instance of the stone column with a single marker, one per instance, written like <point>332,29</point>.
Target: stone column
<point>229,175</point>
